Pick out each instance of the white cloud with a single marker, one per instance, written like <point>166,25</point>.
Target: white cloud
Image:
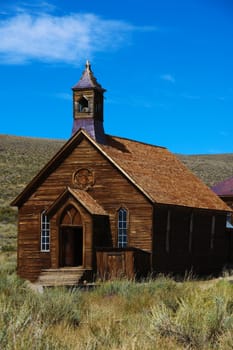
<point>168,77</point>
<point>70,39</point>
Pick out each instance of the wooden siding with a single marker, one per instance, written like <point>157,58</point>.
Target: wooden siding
<point>174,248</point>
<point>117,263</point>
<point>94,99</point>
<point>195,249</point>
<point>111,190</point>
<point>30,259</point>
<point>229,233</point>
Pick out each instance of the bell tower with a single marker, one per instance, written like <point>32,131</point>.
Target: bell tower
<point>88,97</point>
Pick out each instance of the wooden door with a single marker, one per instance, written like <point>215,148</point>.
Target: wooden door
<point>71,246</point>
<point>115,265</point>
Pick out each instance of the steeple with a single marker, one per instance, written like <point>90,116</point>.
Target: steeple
<point>88,105</point>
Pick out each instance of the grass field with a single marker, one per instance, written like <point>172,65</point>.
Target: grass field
<point>156,314</point>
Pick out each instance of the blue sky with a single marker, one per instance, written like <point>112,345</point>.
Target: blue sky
<point>167,67</point>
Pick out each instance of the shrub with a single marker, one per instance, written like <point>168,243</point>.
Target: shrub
<point>200,318</point>
<point>27,318</point>
<point>8,215</point>
<point>155,314</point>
<point>59,305</point>
<point>7,263</point>
<point>8,248</point>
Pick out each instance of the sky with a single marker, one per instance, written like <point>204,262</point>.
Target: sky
<point>167,67</point>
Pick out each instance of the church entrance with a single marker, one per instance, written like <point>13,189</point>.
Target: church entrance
<point>71,238</point>
<point>71,246</point>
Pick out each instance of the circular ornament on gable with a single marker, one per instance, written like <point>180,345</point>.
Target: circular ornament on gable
<point>83,178</point>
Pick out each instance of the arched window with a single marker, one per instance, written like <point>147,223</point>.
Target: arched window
<point>71,216</point>
<point>44,233</point>
<point>122,228</point>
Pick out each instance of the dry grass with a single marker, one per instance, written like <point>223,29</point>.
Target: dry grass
<point>157,314</point>
<point>211,168</point>
<point>20,159</point>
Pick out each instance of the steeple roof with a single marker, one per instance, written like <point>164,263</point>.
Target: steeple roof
<point>87,80</point>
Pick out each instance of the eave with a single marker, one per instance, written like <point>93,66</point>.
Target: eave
<point>82,197</point>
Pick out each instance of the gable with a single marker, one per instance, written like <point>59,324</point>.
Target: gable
<point>57,174</point>
<point>154,171</point>
<point>82,197</point>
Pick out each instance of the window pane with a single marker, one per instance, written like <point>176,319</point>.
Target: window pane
<point>120,215</point>
<point>45,233</point>
<point>122,228</point>
<point>124,215</point>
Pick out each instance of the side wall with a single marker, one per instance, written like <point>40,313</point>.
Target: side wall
<point>30,258</point>
<point>189,240</point>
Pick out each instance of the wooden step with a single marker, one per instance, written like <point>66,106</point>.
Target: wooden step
<point>62,276</point>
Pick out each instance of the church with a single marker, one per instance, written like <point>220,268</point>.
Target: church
<point>107,207</point>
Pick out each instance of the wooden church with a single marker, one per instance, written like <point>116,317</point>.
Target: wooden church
<point>108,206</point>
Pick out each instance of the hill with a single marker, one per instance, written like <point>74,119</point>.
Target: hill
<point>211,168</point>
<point>22,157</point>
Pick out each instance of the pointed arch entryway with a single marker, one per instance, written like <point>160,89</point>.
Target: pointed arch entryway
<point>77,225</point>
<point>71,238</point>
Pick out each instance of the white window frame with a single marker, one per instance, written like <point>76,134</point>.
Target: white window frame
<point>122,226</point>
<point>44,233</point>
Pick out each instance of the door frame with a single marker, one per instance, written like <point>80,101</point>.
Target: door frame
<point>61,245</point>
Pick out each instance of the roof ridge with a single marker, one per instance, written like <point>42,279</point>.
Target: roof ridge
<point>132,140</point>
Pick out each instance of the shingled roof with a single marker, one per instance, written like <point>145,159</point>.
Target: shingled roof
<point>88,202</point>
<point>224,188</point>
<point>155,171</point>
<point>161,174</point>
<point>87,80</point>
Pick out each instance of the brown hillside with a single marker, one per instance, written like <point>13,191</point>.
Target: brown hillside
<point>210,168</point>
